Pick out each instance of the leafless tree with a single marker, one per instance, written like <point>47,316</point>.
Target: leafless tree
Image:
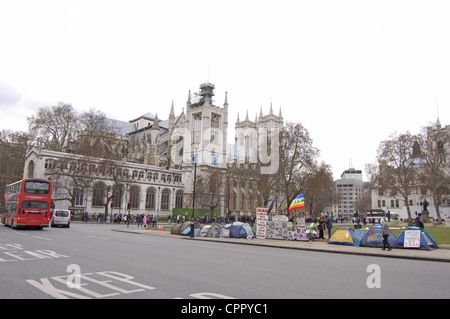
<point>319,185</point>
<point>13,146</point>
<point>434,142</point>
<point>396,167</point>
<point>55,126</point>
<point>210,189</point>
<point>297,160</point>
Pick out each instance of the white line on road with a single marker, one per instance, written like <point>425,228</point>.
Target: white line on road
<point>94,237</point>
<point>42,238</point>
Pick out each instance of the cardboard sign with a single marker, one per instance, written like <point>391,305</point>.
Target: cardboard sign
<point>302,234</point>
<point>412,238</point>
<point>261,222</point>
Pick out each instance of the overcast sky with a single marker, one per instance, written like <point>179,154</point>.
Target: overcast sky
<point>352,72</point>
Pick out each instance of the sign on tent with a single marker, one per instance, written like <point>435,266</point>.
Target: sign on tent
<point>412,238</point>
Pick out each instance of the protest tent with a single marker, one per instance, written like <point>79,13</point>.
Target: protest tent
<point>358,234</point>
<point>214,231</point>
<point>343,236</point>
<point>241,230</point>
<point>374,238</point>
<point>204,230</point>
<point>210,231</point>
<point>415,237</point>
<point>225,232</point>
<point>176,229</point>
<point>185,229</point>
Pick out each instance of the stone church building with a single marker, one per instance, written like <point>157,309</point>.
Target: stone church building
<point>159,159</point>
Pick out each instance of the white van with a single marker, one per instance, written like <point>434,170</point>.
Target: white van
<point>61,217</point>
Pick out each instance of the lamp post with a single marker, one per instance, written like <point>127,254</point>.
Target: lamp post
<point>193,161</point>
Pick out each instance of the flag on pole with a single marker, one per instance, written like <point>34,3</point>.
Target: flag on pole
<point>271,207</point>
<point>283,205</point>
<point>298,202</point>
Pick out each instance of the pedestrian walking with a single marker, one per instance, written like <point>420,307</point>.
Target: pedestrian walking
<point>385,232</point>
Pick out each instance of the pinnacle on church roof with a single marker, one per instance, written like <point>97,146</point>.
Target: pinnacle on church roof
<point>155,123</point>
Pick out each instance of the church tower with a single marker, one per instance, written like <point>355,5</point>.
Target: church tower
<point>205,137</point>
<point>206,128</point>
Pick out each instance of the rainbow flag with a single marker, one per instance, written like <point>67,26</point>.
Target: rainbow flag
<point>298,202</point>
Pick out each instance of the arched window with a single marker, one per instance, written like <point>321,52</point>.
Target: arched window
<point>165,197</point>
<point>135,193</point>
<point>30,169</point>
<point>98,194</point>
<point>150,198</point>
<point>179,199</point>
<point>118,195</point>
<point>233,201</point>
<point>78,196</point>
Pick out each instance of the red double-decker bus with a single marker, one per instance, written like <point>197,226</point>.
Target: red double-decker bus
<point>28,203</point>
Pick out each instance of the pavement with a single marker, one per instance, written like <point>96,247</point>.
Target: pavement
<point>441,254</point>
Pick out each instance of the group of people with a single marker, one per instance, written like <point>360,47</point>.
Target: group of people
<point>325,222</point>
<point>141,220</point>
<point>220,220</point>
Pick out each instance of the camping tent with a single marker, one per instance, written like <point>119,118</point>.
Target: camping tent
<point>343,236</point>
<point>204,230</point>
<point>185,229</point>
<point>241,230</point>
<point>358,234</point>
<point>210,231</point>
<point>415,237</point>
<point>374,238</point>
<point>214,231</point>
<point>225,232</point>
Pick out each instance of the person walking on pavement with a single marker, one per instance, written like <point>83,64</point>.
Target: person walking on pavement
<point>385,232</point>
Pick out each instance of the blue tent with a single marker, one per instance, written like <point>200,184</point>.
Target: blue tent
<point>374,238</point>
<point>424,240</point>
<point>241,230</point>
<point>358,234</point>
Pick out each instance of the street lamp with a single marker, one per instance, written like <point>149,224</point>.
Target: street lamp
<point>193,161</point>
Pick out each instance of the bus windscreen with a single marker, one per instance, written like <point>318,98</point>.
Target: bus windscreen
<point>37,187</point>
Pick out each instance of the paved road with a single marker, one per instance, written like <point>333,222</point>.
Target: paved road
<point>40,264</point>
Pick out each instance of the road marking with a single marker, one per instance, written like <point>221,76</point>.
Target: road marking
<point>95,237</point>
<point>43,238</point>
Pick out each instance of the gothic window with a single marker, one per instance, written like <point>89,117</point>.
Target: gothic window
<point>215,128</point>
<point>233,201</point>
<point>179,199</point>
<point>97,194</point>
<point>150,198</point>
<point>165,199</point>
<point>117,198</point>
<point>134,196</point>
<point>48,163</point>
<point>30,169</point>
<point>197,128</point>
<point>78,196</point>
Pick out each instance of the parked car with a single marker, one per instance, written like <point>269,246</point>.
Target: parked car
<point>61,217</point>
